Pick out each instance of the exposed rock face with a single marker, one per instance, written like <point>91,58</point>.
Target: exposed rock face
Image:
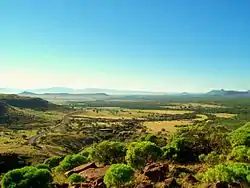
<point>156,171</point>
<point>80,168</point>
<point>171,183</point>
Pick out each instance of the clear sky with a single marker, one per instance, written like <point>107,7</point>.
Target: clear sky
<point>160,45</point>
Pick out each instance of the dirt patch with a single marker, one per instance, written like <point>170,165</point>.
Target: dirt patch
<point>170,126</point>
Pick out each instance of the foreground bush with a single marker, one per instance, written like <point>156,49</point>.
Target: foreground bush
<point>76,178</point>
<point>43,166</point>
<point>240,154</point>
<point>71,161</point>
<point>141,153</point>
<point>211,158</point>
<point>109,152</point>
<point>53,161</point>
<point>27,177</point>
<point>230,173</point>
<point>118,175</point>
<point>241,136</point>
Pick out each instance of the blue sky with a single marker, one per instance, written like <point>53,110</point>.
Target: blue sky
<point>174,45</point>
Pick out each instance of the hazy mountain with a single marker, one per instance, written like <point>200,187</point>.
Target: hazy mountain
<point>65,90</point>
<point>223,92</point>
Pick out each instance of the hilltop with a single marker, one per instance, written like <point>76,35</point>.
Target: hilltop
<point>26,102</point>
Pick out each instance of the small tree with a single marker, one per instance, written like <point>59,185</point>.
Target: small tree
<point>108,152</point>
<point>27,177</point>
<point>141,153</point>
<point>118,175</point>
<point>76,178</point>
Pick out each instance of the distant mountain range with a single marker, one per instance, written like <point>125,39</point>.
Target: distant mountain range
<point>100,91</point>
<point>223,92</point>
<point>64,90</point>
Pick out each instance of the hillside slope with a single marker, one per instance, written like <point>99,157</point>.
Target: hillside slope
<point>26,102</point>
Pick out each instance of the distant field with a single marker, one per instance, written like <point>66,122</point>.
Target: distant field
<point>225,115</point>
<point>201,117</point>
<point>191,105</point>
<point>117,113</point>
<point>167,125</point>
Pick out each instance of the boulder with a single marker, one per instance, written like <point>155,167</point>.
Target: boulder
<point>171,183</point>
<point>156,171</point>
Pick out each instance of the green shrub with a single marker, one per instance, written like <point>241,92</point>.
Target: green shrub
<point>211,158</point>
<point>76,178</point>
<point>53,161</point>
<point>159,140</point>
<point>118,175</point>
<point>27,177</point>
<point>240,136</point>
<point>141,153</point>
<point>178,150</point>
<point>88,152</point>
<point>227,173</point>
<point>240,154</point>
<point>109,152</point>
<point>43,166</point>
<point>71,161</point>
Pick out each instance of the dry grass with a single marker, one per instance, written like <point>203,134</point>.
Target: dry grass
<point>224,115</point>
<point>157,126</point>
<point>16,141</point>
<point>172,112</point>
<point>201,117</point>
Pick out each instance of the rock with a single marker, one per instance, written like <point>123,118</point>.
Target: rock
<point>221,185</point>
<point>92,174</point>
<point>156,171</point>
<point>80,168</point>
<point>145,185</point>
<point>191,179</point>
<point>171,183</point>
<point>98,183</point>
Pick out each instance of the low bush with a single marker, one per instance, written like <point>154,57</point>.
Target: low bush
<point>43,166</point>
<point>53,161</point>
<point>71,161</point>
<point>76,178</point>
<point>27,177</point>
<point>234,172</point>
<point>211,158</point>
<point>108,152</point>
<point>240,154</point>
<point>118,175</point>
<point>240,136</point>
<point>141,153</point>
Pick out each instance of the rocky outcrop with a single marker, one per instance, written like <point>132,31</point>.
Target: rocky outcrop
<point>156,172</point>
<point>171,183</point>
